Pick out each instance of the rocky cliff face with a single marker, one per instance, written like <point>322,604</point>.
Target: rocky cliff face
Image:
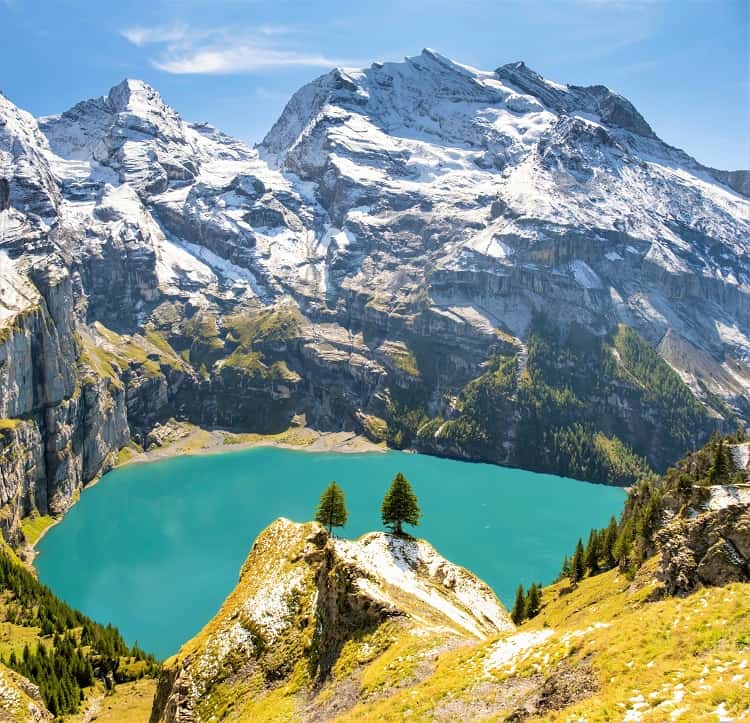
<point>60,429</point>
<point>710,548</point>
<point>308,615</point>
<point>399,229</point>
<point>20,700</point>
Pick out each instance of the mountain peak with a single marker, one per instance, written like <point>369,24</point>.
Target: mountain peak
<point>520,69</point>
<point>447,101</point>
<point>432,54</point>
<point>133,85</point>
<point>518,66</point>
<point>137,96</point>
<point>430,58</point>
<point>597,100</point>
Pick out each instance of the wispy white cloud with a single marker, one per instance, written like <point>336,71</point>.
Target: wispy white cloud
<point>241,59</point>
<point>188,50</point>
<point>156,34</point>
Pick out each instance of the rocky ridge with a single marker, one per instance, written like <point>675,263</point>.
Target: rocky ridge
<point>382,628</point>
<point>20,700</point>
<point>310,612</point>
<point>399,230</point>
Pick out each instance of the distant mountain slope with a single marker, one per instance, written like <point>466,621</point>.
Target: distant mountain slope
<point>485,264</point>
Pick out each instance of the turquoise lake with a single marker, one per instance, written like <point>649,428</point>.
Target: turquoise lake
<point>155,548</point>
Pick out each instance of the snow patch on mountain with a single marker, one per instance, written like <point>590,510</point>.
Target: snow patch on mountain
<point>16,292</point>
<point>413,567</point>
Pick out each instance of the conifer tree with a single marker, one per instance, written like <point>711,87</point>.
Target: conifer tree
<point>533,601</point>
<point>519,607</point>
<point>331,510</point>
<point>61,669</point>
<point>400,505</point>
<point>720,468</point>
<point>565,569</point>
<point>577,566</point>
<point>591,556</point>
<point>608,543</point>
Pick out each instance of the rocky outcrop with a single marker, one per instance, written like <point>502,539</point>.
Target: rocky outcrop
<point>712,548</point>
<point>737,180</point>
<point>20,699</point>
<point>308,609</point>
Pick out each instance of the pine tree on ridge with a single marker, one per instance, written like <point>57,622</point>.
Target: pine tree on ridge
<point>400,505</point>
<point>332,510</point>
<point>519,607</point>
<point>577,569</point>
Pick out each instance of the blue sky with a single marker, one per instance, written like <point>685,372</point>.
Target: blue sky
<point>234,63</point>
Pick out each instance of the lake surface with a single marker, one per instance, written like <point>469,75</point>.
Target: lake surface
<point>155,548</point>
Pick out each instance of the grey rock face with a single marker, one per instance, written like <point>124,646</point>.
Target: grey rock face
<point>737,180</point>
<point>4,194</point>
<point>710,549</point>
<point>23,476</point>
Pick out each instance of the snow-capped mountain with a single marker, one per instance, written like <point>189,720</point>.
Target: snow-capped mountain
<point>438,169</point>
<point>415,216</point>
<point>403,177</point>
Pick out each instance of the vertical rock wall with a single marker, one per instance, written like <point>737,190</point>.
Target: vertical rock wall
<point>58,432</point>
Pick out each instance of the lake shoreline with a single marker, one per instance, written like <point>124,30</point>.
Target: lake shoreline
<point>182,439</point>
<point>176,439</point>
<point>134,549</point>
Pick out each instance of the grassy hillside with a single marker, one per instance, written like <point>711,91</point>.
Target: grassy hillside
<point>609,648</point>
<point>605,642</point>
<point>593,653</point>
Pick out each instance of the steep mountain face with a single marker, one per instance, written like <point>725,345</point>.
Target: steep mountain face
<point>311,611</point>
<point>466,262</point>
<point>508,177</point>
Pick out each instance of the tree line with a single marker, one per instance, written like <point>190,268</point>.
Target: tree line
<point>526,605</point>
<point>399,507</point>
<point>627,543</point>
